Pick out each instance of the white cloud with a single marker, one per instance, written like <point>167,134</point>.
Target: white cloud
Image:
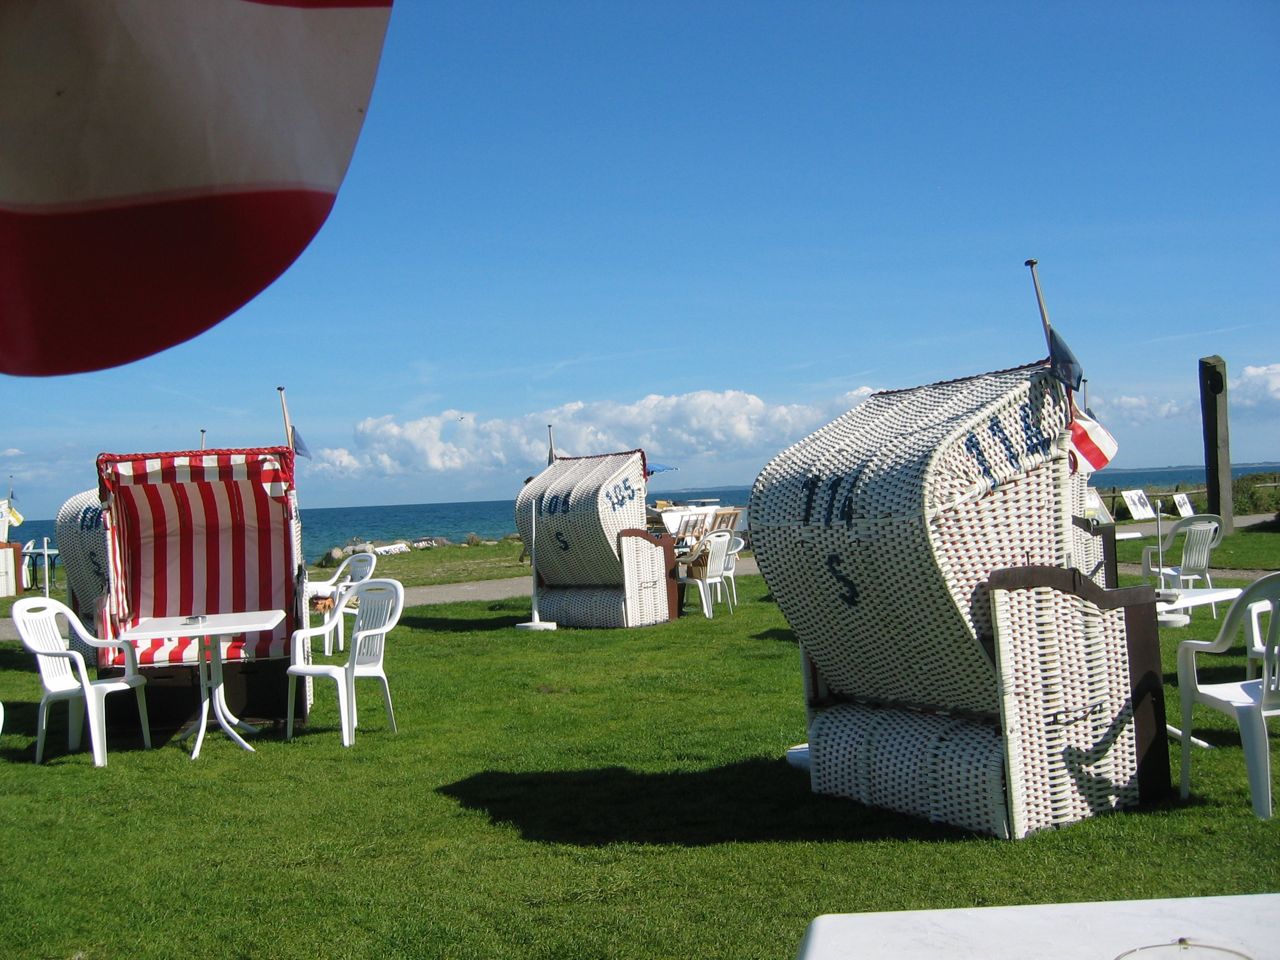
<point>731,425</point>
<point>1257,387</point>
<point>11,452</point>
<point>1139,410</point>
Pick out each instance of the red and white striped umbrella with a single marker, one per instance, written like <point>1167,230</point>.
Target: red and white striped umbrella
<point>162,162</point>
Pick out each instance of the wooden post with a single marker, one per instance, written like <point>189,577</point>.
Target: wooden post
<point>1217,440</point>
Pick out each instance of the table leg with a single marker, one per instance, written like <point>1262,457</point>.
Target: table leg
<point>202,671</point>
<point>226,719</point>
<point>221,702</point>
<point>1176,734</point>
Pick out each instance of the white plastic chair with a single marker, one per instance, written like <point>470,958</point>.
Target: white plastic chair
<point>65,676</point>
<point>706,568</point>
<point>1200,533</point>
<point>28,565</point>
<point>730,567</point>
<point>378,604</point>
<point>1250,702</point>
<point>1255,649</point>
<point>357,568</point>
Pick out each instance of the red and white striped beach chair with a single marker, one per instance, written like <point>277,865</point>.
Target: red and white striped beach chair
<point>208,531</point>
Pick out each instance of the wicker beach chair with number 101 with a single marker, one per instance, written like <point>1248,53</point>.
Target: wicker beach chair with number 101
<point>959,664</point>
<point>597,565</point>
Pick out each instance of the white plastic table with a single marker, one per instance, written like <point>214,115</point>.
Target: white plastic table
<point>45,552</point>
<point>1170,602</point>
<point>209,628</point>
<point>1058,931</point>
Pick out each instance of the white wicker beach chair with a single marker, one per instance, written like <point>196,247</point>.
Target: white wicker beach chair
<point>597,565</point>
<point>1002,706</point>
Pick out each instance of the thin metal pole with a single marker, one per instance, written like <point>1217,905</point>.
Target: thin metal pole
<point>1044,313</point>
<point>288,427</point>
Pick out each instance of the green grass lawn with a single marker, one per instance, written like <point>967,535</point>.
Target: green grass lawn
<point>572,794</point>
<point>457,563</point>
<point>1248,548</point>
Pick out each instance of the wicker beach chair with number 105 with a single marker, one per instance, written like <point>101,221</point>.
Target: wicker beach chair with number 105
<point>959,664</point>
<point>597,565</point>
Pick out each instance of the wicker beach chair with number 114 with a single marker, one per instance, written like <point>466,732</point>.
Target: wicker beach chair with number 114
<point>959,665</point>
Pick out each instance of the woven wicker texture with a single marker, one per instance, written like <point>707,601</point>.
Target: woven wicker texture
<point>593,576</point>
<point>582,504</point>
<point>877,532</point>
<point>943,768</point>
<point>584,606</point>
<point>877,535</point>
<point>647,584</point>
<point>82,548</point>
<point>1066,706</point>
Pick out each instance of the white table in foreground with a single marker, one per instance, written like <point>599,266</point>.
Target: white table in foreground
<point>209,628</point>
<point>1170,602</point>
<point>1058,931</point>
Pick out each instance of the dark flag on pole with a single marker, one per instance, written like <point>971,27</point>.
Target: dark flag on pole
<point>299,445</point>
<point>1063,362</point>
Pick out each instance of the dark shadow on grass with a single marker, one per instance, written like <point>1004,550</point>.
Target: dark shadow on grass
<point>753,801</point>
<point>20,720</point>
<point>427,621</point>
<point>16,657</point>
<point>780,634</point>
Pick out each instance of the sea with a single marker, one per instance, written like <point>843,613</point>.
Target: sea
<point>326,527</point>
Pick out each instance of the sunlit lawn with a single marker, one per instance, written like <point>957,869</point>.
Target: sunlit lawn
<point>570,794</point>
<point>1247,548</point>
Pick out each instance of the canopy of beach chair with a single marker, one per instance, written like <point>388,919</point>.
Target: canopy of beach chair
<point>201,532</point>
<point>165,162</point>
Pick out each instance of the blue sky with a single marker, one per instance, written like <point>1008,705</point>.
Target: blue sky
<point>706,229</point>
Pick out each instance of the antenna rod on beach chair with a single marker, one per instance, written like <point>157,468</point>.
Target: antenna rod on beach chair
<point>288,429</point>
<point>1044,313</point>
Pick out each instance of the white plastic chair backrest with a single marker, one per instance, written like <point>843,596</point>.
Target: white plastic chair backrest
<point>1263,598</point>
<point>28,564</point>
<point>354,569</point>
<point>1260,598</point>
<point>37,622</point>
<point>717,550</point>
<point>1259,615</point>
<point>1202,533</point>
<point>731,556</point>
<point>380,605</point>
<point>359,566</point>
